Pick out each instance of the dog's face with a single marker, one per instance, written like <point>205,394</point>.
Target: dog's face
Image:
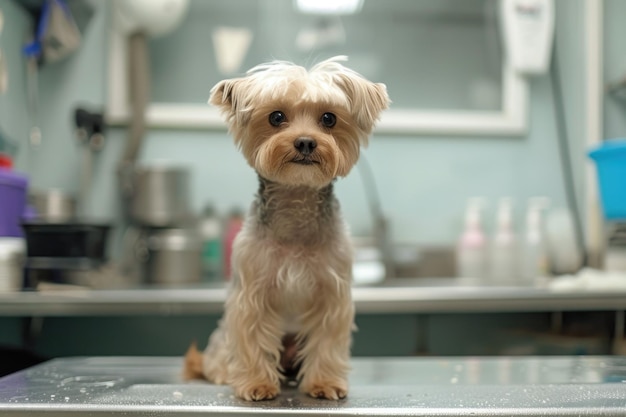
<point>297,127</point>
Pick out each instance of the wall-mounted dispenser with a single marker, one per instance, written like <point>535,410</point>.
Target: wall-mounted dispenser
<point>528,34</point>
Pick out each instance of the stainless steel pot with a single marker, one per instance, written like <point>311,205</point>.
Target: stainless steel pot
<point>53,205</point>
<point>160,196</point>
<point>174,257</point>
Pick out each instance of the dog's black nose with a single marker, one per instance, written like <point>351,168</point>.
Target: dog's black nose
<point>305,145</point>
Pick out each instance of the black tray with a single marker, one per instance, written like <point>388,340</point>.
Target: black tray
<point>71,245</point>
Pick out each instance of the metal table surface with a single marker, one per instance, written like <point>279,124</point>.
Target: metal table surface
<point>401,296</point>
<point>501,386</point>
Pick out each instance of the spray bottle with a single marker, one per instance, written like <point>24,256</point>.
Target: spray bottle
<point>534,254</point>
<point>504,252</point>
<point>471,256</point>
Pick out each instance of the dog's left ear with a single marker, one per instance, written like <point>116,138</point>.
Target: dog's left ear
<point>367,99</point>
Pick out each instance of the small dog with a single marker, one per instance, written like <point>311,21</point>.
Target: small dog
<point>290,305</point>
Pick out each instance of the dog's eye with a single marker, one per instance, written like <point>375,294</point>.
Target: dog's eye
<point>328,119</point>
<point>277,117</point>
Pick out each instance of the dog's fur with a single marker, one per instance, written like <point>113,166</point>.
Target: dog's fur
<point>290,302</point>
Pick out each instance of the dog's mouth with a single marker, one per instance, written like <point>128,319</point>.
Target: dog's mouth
<point>304,161</point>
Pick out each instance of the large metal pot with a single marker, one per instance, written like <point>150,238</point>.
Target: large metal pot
<point>160,196</point>
<point>174,257</point>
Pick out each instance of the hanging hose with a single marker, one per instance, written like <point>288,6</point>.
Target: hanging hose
<point>564,153</point>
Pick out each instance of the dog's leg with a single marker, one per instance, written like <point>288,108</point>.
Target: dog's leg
<point>216,357</point>
<point>255,339</point>
<point>325,350</point>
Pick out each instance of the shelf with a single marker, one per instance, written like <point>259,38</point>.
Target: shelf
<point>393,298</point>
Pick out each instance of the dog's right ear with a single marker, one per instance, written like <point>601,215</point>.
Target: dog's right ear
<point>227,95</point>
<point>222,94</point>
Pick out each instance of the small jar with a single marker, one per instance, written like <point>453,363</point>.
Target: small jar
<point>12,255</point>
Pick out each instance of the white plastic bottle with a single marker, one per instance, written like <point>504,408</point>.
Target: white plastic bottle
<point>564,252</point>
<point>471,253</point>
<point>534,263</point>
<point>503,259</point>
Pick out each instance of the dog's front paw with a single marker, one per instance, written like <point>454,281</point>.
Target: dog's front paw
<point>258,392</point>
<point>329,390</point>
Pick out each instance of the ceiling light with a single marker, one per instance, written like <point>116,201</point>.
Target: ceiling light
<point>329,6</point>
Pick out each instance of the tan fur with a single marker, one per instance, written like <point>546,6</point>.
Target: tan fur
<point>292,261</point>
<point>193,363</point>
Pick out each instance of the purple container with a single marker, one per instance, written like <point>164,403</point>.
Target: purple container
<point>12,202</point>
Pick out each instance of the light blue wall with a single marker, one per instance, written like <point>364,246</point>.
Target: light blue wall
<point>424,181</point>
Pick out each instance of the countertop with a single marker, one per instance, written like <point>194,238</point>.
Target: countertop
<point>500,386</point>
<point>397,296</point>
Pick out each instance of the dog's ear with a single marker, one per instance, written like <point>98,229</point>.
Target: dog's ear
<point>222,93</point>
<point>227,95</point>
<point>367,99</point>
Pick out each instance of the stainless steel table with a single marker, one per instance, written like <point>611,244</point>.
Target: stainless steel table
<point>129,386</point>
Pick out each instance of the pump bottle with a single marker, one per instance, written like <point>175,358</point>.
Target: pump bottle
<point>503,259</point>
<point>534,255</point>
<point>471,256</point>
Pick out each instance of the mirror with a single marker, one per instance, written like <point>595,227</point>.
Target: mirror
<point>441,60</point>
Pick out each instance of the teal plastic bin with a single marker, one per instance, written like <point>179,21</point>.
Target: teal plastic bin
<point>610,159</point>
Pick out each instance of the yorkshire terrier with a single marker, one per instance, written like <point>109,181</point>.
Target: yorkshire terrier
<point>290,305</point>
